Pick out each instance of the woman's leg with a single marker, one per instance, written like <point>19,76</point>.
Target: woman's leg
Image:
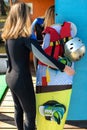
<point>29,107</point>
<point>18,112</point>
<point>25,102</point>
<point>29,123</point>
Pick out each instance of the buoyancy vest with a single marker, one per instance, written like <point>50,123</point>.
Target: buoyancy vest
<point>57,41</point>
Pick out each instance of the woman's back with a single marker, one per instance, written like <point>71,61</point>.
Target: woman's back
<point>18,54</point>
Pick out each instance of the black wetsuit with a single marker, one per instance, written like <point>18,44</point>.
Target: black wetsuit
<point>18,78</point>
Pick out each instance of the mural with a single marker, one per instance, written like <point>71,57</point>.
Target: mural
<point>75,11</point>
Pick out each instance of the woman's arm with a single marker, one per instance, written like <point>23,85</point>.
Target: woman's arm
<point>33,45</point>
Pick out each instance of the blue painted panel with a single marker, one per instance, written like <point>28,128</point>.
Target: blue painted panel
<point>75,11</point>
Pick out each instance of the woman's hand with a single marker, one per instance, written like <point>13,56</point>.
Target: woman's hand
<point>68,70</point>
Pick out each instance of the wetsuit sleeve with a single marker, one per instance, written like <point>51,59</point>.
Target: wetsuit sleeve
<point>39,53</point>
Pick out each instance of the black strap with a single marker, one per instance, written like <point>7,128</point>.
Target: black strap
<point>52,88</point>
<point>53,49</point>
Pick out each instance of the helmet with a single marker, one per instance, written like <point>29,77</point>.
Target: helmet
<point>74,49</point>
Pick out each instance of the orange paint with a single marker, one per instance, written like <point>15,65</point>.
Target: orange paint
<point>39,6</point>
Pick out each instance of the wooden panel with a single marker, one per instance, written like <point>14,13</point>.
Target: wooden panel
<point>7,103</point>
<point>7,124</point>
<point>6,109</point>
<point>6,116</point>
<point>8,129</point>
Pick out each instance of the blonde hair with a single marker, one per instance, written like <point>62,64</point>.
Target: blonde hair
<point>18,22</point>
<point>49,16</point>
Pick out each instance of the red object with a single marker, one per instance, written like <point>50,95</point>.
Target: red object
<point>48,50</point>
<point>65,30</point>
<point>58,51</point>
<point>44,81</point>
<point>54,36</point>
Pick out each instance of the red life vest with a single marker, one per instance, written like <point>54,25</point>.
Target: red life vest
<point>55,48</point>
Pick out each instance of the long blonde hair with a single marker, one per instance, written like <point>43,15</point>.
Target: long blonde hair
<point>49,16</point>
<point>18,22</point>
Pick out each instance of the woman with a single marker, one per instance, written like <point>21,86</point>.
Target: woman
<point>19,42</point>
<point>49,16</point>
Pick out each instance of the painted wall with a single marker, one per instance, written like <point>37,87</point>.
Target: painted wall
<point>39,6</point>
<point>75,11</point>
